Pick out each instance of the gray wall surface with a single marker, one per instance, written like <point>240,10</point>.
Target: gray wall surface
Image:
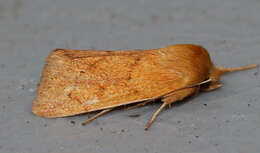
<point>224,121</point>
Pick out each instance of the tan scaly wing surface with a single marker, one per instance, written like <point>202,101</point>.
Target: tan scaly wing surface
<point>80,81</point>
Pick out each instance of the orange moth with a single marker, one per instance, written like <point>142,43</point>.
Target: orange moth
<point>82,81</point>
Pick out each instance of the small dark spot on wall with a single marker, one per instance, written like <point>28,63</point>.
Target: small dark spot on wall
<point>2,66</point>
<point>227,121</point>
<point>154,19</point>
<point>22,86</point>
<point>72,122</point>
<point>134,115</point>
<point>112,15</point>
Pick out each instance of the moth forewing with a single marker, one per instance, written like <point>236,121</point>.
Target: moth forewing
<point>81,81</point>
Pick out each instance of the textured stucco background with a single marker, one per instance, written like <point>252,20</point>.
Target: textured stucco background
<point>224,121</point>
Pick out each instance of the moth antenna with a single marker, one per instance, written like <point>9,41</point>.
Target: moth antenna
<point>241,68</point>
<point>155,116</point>
<point>96,116</point>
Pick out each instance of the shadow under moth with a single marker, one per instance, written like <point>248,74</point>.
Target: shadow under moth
<point>82,81</point>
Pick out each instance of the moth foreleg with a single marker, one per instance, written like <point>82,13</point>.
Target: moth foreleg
<point>167,100</point>
<point>155,116</point>
<point>97,115</point>
<point>180,95</point>
<point>212,86</point>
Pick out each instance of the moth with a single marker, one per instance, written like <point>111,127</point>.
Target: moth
<point>82,81</point>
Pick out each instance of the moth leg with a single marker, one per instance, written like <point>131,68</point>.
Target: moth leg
<point>179,95</point>
<point>167,100</point>
<point>212,86</point>
<point>96,116</point>
<point>155,116</point>
<point>138,105</point>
